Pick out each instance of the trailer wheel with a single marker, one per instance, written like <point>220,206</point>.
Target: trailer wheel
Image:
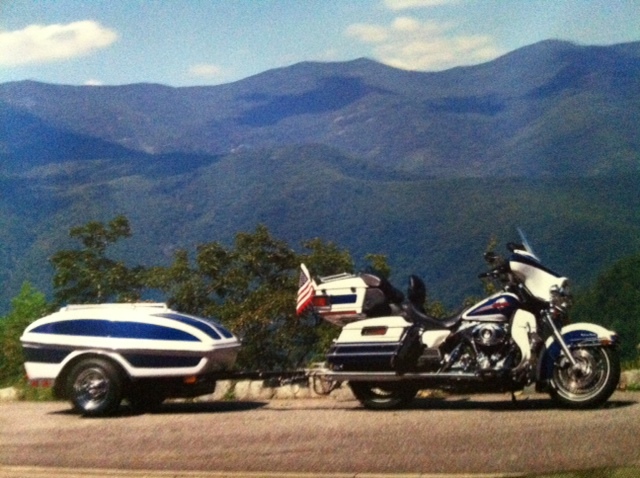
<point>383,396</point>
<point>95,387</point>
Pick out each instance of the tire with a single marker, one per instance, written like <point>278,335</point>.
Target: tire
<point>95,387</point>
<point>383,396</point>
<point>591,383</point>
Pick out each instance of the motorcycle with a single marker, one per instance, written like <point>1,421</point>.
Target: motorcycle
<point>389,348</point>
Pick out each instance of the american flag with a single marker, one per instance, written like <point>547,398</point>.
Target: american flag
<point>306,290</point>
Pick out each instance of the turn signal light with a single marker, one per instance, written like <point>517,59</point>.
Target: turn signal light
<point>41,383</point>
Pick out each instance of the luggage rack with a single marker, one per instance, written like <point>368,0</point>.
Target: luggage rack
<point>342,275</point>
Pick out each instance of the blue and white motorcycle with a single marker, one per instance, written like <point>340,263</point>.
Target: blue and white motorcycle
<point>389,348</point>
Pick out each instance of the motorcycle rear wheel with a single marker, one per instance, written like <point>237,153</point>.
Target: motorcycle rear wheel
<point>383,396</point>
<point>591,382</point>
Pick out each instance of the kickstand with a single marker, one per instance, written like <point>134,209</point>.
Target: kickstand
<point>517,393</point>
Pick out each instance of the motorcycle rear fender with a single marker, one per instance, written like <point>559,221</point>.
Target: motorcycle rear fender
<point>575,335</point>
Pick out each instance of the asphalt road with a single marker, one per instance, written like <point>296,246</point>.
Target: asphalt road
<point>461,434</point>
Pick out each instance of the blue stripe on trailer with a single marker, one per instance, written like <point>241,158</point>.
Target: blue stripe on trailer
<point>114,329</point>
<point>45,354</point>
<point>209,327</point>
<point>161,361</point>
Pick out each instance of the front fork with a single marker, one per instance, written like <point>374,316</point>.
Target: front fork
<point>558,336</point>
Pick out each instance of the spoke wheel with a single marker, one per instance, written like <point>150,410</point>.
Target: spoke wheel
<point>95,387</point>
<point>383,396</point>
<point>590,382</point>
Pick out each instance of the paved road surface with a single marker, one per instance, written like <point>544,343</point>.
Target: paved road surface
<point>476,434</point>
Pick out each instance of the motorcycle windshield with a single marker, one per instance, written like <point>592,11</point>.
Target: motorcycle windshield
<point>528,267</point>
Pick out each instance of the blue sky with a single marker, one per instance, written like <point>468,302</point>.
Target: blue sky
<point>208,42</point>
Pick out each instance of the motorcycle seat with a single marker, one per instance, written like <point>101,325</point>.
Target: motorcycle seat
<point>414,309</point>
<point>416,316</point>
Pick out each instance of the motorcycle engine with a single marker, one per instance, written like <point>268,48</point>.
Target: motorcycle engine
<point>489,335</point>
<point>490,339</point>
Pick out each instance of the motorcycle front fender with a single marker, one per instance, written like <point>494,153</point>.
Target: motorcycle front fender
<point>575,335</point>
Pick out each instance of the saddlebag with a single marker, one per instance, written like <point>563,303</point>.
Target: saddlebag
<point>367,345</point>
<point>408,352</point>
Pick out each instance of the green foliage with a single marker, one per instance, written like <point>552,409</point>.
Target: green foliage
<point>326,258</point>
<point>27,391</point>
<point>87,275</point>
<point>437,229</point>
<point>379,265</point>
<point>614,302</point>
<point>435,309</point>
<point>27,306</point>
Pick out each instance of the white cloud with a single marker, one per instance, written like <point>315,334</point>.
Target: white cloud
<point>368,33</point>
<point>93,82</point>
<point>412,44</point>
<point>206,70</point>
<point>406,24</point>
<point>407,4</point>
<point>47,43</point>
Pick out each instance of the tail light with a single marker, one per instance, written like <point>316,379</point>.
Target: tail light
<point>377,330</point>
<point>321,301</point>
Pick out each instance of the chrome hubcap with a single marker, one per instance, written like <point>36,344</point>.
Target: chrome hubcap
<point>584,379</point>
<point>91,388</point>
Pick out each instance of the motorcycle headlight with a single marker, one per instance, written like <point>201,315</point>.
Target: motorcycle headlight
<point>561,296</point>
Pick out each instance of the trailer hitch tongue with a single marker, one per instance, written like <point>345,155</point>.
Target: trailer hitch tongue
<point>286,379</point>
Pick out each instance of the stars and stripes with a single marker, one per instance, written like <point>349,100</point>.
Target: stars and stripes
<point>306,290</point>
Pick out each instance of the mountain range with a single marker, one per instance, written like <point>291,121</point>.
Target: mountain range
<point>424,167</point>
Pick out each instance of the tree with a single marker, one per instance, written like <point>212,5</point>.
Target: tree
<point>614,302</point>
<point>88,275</point>
<point>378,265</point>
<point>183,285</point>
<point>325,258</point>
<point>27,306</point>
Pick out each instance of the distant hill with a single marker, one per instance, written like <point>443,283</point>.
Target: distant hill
<point>532,112</point>
<point>423,167</point>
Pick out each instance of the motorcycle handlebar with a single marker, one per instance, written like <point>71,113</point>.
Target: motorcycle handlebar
<point>494,273</point>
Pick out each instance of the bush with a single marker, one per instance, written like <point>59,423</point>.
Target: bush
<point>27,306</point>
<point>614,302</point>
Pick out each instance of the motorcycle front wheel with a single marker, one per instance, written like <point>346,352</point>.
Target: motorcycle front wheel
<point>590,382</point>
<point>383,396</point>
